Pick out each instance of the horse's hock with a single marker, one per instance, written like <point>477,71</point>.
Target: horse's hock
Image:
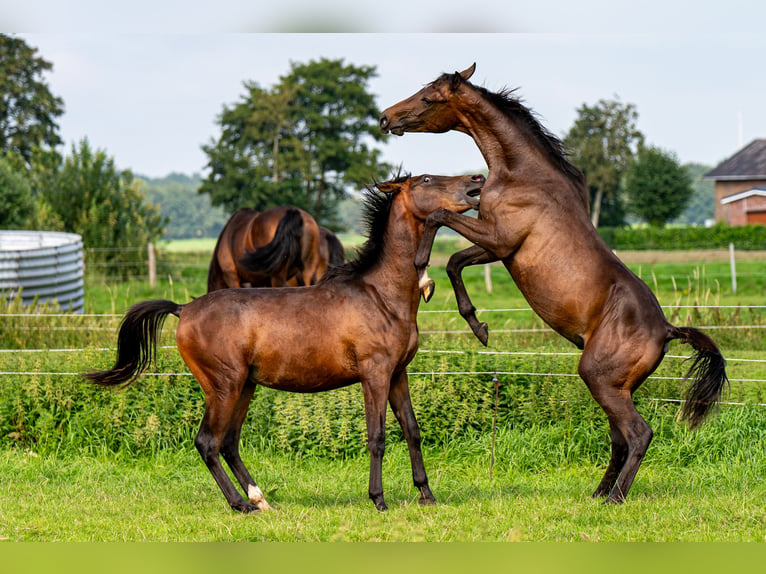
<point>42,267</point>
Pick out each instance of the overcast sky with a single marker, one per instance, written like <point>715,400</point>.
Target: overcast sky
<point>146,84</point>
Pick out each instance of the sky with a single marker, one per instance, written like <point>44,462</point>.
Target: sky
<point>146,81</point>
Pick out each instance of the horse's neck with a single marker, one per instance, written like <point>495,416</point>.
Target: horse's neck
<point>395,275</point>
<point>499,139</point>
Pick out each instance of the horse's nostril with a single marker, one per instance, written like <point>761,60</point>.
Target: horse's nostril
<point>383,122</point>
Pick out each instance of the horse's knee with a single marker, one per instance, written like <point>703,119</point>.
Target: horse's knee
<point>376,443</point>
<point>207,446</point>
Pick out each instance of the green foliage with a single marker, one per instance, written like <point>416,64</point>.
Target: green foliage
<point>701,205</point>
<point>28,109</point>
<point>16,201</point>
<point>302,142</point>
<point>188,213</point>
<point>89,196</point>
<point>604,141</point>
<point>745,237</point>
<point>656,186</point>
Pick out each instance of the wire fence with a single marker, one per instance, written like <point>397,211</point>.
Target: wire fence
<point>424,351</point>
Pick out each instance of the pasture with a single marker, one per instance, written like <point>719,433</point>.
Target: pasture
<point>513,442</point>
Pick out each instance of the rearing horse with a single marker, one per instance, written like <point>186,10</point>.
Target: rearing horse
<point>364,311</point>
<point>534,218</point>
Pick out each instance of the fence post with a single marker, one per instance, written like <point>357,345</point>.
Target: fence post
<point>488,278</point>
<point>733,269</point>
<point>152,265</point>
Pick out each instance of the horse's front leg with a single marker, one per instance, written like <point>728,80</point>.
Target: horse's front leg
<point>401,404</point>
<point>423,256</point>
<point>478,231</point>
<point>375,390</point>
<point>474,255</point>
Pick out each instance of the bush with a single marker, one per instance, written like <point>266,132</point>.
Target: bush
<point>746,237</point>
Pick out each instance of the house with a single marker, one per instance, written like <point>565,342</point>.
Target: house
<point>740,186</point>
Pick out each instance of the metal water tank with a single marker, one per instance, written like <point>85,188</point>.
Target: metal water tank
<point>46,266</point>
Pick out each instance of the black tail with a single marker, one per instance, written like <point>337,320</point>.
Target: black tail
<point>707,375</point>
<point>283,251</point>
<point>334,247</point>
<point>136,341</point>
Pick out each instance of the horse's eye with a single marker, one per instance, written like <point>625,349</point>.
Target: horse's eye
<point>427,179</point>
<point>426,101</point>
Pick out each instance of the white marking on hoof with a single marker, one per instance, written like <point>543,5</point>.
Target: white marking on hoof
<point>255,496</point>
<point>424,280</point>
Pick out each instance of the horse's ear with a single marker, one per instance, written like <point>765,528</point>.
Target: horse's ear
<point>468,72</point>
<point>387,186</point>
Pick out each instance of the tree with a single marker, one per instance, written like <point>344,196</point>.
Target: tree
<point>657,187</point>
<point>189,214</point>
<point>604,141</point>
<point>16,202</point>
<point>701,205</point>
<point>302,142</point>
<point>89,196</point>
<point>27,107</point>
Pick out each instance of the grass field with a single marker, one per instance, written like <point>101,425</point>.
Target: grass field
<point>122,466</point>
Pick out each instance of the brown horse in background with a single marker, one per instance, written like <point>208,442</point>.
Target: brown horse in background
<point>274,248</point>
<point>534,218</point>
<point>330,249</point>
<point>364,314</point>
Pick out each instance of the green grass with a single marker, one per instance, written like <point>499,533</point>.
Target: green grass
<point>171,497</point>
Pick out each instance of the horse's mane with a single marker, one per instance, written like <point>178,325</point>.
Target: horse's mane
<point>376,207</point>
<point>507,102</point>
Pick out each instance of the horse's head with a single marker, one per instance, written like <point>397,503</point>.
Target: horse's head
<point>428,110</point>
<point>426,193</point>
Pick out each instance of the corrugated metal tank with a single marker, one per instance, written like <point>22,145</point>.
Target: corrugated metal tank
<point>47,266</point>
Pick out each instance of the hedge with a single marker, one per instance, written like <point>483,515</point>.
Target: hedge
<point>746,237</point>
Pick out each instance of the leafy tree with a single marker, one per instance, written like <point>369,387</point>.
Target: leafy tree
<point>604,141</point>
<point>16,202</point>
<point>302,143</point>
<point>189,213</point>
<point>107,207</point>
<point>701,205</point>
<point>27,107</point>
<point>657,187</point>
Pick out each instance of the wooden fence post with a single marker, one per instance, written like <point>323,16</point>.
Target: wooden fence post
<point>488,278</point>
<point>152,265</point>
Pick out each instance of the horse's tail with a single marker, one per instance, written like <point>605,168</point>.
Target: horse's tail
<point>707,374</point>
<point>334,247</point>
<point>136,341</point>
<point>283,251</point>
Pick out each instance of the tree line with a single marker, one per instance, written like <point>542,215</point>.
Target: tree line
<point>306,141</point>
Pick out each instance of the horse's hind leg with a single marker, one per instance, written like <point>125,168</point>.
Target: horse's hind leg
<point>474,255</point>
<point>219,427</point>
<point>616,462</point>
<point>401,404</point>
<point>612,374</point>
<point>230,449</point>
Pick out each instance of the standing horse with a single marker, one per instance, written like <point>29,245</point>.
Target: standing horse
<point>331,249</point>
<point>274,248</point>
<point>365,310</point>
<point>534,217</point>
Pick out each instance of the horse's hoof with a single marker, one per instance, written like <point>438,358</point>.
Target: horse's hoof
<point>245,508</point>
<point>482,333</point>
<point>255,497</point>
<point>426,501</point>
<point>427,290</point>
